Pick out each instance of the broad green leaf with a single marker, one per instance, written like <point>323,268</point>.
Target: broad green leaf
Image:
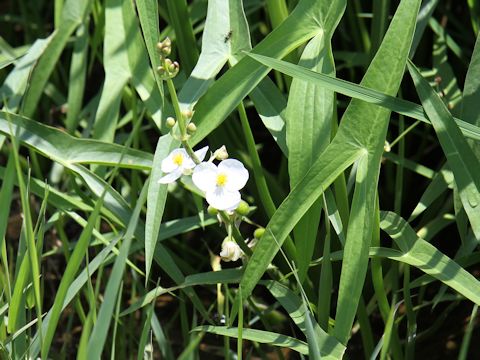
<point>148,16</point>
<point>385,74</point>
<point>73,14</point>
<point>6,193</point>
<point>309,117</point>
<point>354,140</point>
<point>117,71</point>
<point>261,336</point>
<point>157,196</point>
<point>460,156</point>
<point>142,76</point>
<point>419,253</point>
<point>67,150</point>
<point>224,96</point>
<point>14,86</point>
<point>471,92</point>
<point>77,77</point>
<point>361,92</point>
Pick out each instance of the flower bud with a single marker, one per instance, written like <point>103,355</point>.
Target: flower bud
<point>221,153</point>
<point>173,68</point>
<point>230,250</point>
<point>191,128</point>
<point>212,211</point>
<point>161,70</point>
<point>170,122</point>
<point>387,147</point>
<point>243,208</point>
<point>187,113</point>
<point>258,233</point>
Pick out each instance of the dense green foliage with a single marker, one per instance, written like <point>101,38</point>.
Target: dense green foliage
<point>359,237</point>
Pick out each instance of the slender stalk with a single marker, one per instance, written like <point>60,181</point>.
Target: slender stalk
<point>182,125</point>
<point>259,176</point>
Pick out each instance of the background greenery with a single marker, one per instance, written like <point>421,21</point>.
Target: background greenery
<point>362,147</point>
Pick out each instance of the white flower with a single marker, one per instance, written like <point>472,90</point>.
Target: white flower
<point>221,183</point>
<point>179,163</point>
<point>230,250</point>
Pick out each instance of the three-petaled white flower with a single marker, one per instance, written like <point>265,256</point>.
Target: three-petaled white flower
<point>230,250</point>
<point>221,183</point>
<point>179,163</point>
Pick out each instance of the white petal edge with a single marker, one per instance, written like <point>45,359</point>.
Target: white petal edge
<point>168,165</point>
<point>200,154</point>
<point>222,199</point>
<point>205,176</point>
<point>237,175</point>
<point>171,177</point>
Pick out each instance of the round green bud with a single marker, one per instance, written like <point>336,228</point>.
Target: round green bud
<point>257,234</point>
<point>170,122</point>
<point>243,208</point>
<point>212,211</point>
<point>191,128</point>
<point>187,114</point>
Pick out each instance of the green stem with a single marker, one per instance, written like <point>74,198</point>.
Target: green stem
<point>182,125</point>
<point>259,176</point>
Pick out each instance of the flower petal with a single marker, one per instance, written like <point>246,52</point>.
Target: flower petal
<point>237,175</point>
<point>223,199</point>
<point>170,177</point>
<point>230,251</point>
<point>168,164</point>
<point>205,176</point>
<point>189,163</point>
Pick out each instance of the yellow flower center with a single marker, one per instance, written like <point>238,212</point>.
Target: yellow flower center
<point>221,179</point>
<point>178,159</point>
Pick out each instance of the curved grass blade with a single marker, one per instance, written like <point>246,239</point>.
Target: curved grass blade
<point>68,276</point>
<point>73,13</point>
<point>261,336</point>
<point>68,150</point>
<point>419,253</point>
<point>308,130</point>
<point>117,72</point>
<point>157,196</point>
<point>101,327</point>
<point>360,92</point>
<point>460,156</point>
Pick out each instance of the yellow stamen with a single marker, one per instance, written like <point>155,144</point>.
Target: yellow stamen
<point>221,179</point>
<point>178,159</point>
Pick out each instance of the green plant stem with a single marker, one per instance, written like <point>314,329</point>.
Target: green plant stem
<point>182,125</point>
<point>259,176</point>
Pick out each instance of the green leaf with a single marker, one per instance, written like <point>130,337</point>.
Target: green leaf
<point>157,196</point>
<point>460,156</point>
<point>73,265</point>
<point>74,11</point>
<point>68,150</point>
<point>101,327</point>
<point>309,126</point>
<point>360,92</point>
<point>117,71</point>
<point>293,305</point>
<point>77,77</point>
<point>185,39</point>
<point>263,337</point>
<point>224,96</point>
<point>419,253</point>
